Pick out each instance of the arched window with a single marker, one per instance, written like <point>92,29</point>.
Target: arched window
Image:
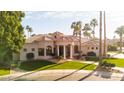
<point>41,51</point>
<point>76,49</point>
<point>49,50</point>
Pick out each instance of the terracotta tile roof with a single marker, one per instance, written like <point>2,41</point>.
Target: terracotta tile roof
<point>51,37</point>
<point>39,38</point>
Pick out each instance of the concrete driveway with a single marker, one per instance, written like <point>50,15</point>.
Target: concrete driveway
<point>64,75</point>
<point>117,55</point>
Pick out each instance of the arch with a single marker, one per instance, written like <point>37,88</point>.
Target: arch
<point>76,50</point>
<point>49,50</point>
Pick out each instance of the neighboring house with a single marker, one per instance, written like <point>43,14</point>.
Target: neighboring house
<point>45,46</point>
<point>115,42</point>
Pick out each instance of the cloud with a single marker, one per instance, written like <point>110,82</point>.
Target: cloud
<point>58,15</point>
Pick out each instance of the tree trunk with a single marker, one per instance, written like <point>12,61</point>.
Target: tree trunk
<point>94,32</point>
<point>120,43</point>
<point>104,35</point>
<point>100,41</point>
<point>80,44</point>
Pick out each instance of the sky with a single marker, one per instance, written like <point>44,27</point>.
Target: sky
<point>43,22</point>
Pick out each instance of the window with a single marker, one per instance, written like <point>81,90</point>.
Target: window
<point>55,36</point>
<point>92,48</point>
<point>96,48</point>
<point>33,49</point>
<point>49,50</point>
<point>76,49</point>
<point>25,50</point>
<point>41,51</point>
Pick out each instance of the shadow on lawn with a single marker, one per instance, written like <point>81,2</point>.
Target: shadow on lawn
<point>73,72</point>
<point>34,64</point>
<point>17,78</point>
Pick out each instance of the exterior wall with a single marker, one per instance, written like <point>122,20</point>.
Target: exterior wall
<point>44,45</point>
<point>29,50</point>
<point>36,46</point>
<point>88,48</point>
<point>85,48</point>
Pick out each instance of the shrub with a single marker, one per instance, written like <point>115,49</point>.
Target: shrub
<point>112,48</point>
<point>91,54</point>
<point>30,56</point>
<point>91,58</point>
<point>106,64</point>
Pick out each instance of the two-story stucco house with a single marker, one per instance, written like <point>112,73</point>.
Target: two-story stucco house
<point>44,46</point>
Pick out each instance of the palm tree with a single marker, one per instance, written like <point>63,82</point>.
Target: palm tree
<point>100,41</point>
<point>93,24</point>
<point>105,35</point>
<point>29,29</point>
<point>86,29</point>
<point>120,32</point>
<point>77,26</point>
<point>87,34</point>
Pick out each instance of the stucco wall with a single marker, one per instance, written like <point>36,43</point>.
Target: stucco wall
<point>36,46</point>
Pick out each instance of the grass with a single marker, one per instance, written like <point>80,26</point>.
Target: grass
<point>109,52</point>
<point>4,70</point>
<point>117,62</point>
<point>47,65</point>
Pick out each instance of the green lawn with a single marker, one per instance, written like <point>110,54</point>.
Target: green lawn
<point>113,52</point>
<point>47,65</point>
<point>117,62</point>
<point>4,70</point>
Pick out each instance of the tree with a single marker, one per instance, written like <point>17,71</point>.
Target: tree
<point>29,29</point>
<point>11,32</point>
<point>77,28</point>
<point>105,47</point>
<point>120,32</point>
<point>93,24</point>
<point>100,41</point>
<point>87,34</point>
<point>85,29</point>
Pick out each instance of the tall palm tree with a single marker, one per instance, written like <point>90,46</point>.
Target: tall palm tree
<point>105,47</point>
<point>77,26</point>
<point>87,34</point>
<point>85,30</point>
<point>93,24</point>
<point>29,29</point>
<point>100,41</point>
<point>120,32</point>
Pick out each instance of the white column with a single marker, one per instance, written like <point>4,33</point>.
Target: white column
<point>57,50</point>
<point>45,51</point>
<point>64,49</point>
<point>71,52</point>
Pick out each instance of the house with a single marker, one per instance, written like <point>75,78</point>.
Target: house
<point>44,46</point>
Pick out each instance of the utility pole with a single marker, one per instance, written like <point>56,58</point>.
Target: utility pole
<point>100,41</point>
<point>105,48</point>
